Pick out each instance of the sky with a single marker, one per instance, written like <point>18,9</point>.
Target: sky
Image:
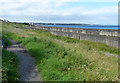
<point>60,11</point>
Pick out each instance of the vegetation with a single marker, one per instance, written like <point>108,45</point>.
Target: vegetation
<point>6,41</point>
<point>66,59</point>
<point>9,64</point>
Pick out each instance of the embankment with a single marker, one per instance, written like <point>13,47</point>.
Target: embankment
<point>61,58</point>
<point>109,37</point>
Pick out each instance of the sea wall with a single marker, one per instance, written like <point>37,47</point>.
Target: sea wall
<point>109,37</point>
<point>106,32</point>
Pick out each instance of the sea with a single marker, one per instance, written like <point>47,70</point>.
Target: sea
<point>83,26</point>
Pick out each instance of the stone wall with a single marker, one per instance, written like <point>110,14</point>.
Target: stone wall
<point>109,37</point>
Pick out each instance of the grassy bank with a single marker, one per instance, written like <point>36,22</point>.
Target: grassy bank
<point>9,64</point>
<point>66,59</point>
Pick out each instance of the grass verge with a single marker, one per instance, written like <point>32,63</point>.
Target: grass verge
<point>9,66</point>
<point>10,63</point>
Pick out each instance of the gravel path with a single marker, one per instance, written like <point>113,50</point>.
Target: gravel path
<point>28,69</point>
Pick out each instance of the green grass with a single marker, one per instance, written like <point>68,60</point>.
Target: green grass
<point>58,63</point>
<point>66,59</point>
<point>10,63</point>
<point>9,66</point>
<point>90,45</point>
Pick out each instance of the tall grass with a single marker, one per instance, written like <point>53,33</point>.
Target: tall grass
<point>10,63</point>
<point>9,66</point>
<point>67,59</point>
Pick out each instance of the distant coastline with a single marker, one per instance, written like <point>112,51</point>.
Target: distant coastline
<point>73,24</point>
<point>88,26</point>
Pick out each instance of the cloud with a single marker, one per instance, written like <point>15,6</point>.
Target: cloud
<point>48,11</point>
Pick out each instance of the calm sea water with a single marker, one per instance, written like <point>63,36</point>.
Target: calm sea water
<point>84,26</point>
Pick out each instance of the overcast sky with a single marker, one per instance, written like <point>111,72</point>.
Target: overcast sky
<point>61,11</point>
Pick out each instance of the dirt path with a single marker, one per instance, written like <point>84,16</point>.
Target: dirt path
<point>28,69</point>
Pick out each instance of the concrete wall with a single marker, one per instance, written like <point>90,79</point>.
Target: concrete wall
<point>109,37</point>
<point>106,32</point>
